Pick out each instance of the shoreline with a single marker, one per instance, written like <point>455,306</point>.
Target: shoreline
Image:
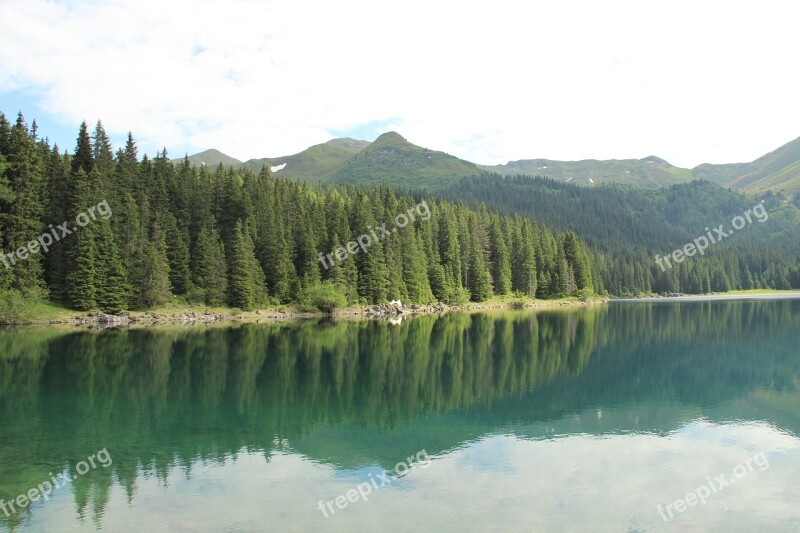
<point>200,315</point>
<point>189,315</point>
<point>756,294</point>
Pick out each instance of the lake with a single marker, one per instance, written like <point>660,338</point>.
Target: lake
<point>657,416</point>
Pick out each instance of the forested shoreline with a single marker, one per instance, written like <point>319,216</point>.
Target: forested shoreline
<point>232,237</point>
<point>226,236</point>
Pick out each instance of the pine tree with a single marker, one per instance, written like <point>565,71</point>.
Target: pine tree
<point>22,218</point>
<point>450,255</point>
<point>113,290</point>
<point>577,259</point>
<point>57,171</point>
<point>83,159</point>
<point>246,280</point>
<point>6,196</point>
<point>81,250</point>
<point>415,268</point>
<point>306,255</point>
<point>177,255</point>
<point>154,289</point>
<point>523,264</point>
<point>479,284</point>
<point>102,155</point>
<point>373,282</point>
<point>210,274</point>
<point>500,260</point>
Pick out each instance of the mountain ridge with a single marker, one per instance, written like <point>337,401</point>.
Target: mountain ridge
<point>393,160</point>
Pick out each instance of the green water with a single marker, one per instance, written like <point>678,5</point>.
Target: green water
<point>583,420</point>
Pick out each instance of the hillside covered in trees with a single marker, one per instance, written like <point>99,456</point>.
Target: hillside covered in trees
<point>625,228</point>
<point>230,236</point>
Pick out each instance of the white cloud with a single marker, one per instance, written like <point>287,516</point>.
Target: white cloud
<point>487,82</point>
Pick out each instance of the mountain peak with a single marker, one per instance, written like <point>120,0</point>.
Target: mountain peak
<point>392,160</point>
<point>654,159</point>
<point>390,136</point>
<point>211,157</point>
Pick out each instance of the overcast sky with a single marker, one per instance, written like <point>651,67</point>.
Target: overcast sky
<point>490,82</point>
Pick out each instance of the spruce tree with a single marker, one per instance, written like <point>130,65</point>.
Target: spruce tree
<point>373,282</point>
<point>415,268</point>
<point>210,275</point>
<point>22,218</point>
<point>113,290</point>
<point>81,250</point>
<point>479,284</point>
<point>177,241</point>
<point>154,289</point>
<point>576,257</point>
<point>523,263</point>
<point>58,177</point>
<point>6,196</point>
<point>83,159</point>
<point>450,253</point>
<point>500,259</point>
<point>246,280</point>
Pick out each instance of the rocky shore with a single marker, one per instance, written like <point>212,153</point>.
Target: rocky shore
<point>396,308</point>
<point>99,319</point>
<point>394,311</point>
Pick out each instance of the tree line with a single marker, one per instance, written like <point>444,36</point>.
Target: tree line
<point>227,236</point>
<point>625,228</point>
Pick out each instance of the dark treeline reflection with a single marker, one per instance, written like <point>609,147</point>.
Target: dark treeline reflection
<point>669,362</point>
<point>160,399</point>
<point>167,398</point>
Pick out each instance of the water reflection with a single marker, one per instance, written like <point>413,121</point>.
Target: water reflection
<point>482,391</point>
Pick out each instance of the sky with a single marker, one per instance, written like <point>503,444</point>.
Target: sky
<point>489,82</point>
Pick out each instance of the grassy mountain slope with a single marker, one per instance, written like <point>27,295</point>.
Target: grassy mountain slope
<point>650,172</point>
<point>777,171</point>
<point>210,158</point>
<point>314,164</point>
<point>351,145</point>
<point>785,181</point>
<point>394,161</point>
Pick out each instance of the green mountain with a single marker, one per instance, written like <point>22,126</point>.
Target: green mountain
<point>315,164</point>
<point>351,145</point>
<point>777,171</point>
<point>392,160</point>
<point>211,158</point>
<point>649,173</point>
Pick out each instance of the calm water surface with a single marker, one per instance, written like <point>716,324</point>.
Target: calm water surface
<point>583,420</point>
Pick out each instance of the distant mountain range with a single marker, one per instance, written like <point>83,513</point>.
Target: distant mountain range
<point>650,172</point>
<point>392,160</point>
